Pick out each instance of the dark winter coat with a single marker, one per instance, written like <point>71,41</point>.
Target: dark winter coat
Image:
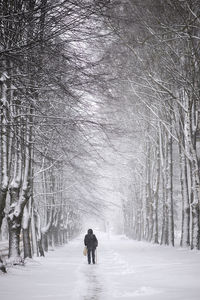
<point>90,240</point>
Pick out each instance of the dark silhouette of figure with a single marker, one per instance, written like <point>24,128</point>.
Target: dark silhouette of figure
<point>91,243</point>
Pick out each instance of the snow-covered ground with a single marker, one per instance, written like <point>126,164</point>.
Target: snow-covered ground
<point>125,270</point>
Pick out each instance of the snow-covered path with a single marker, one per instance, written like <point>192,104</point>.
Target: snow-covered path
<point>126,270</point>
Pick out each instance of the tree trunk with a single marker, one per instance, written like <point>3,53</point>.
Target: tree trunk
<point>27,243</point>
<point>185,217</point>
<point>148,191</point>
<point>156,192</point>
<point>19,192</point>
<point>181,166</point>
<point>4,145</point>
<point>14,221</point>
<point>26,236</point>
<point>190,148</point>
<point>163,177</point>
<point>33,234</point>
<point>187,208</point>
<point>171,191</point>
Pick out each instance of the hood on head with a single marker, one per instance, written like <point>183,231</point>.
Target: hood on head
<point>90,231</point>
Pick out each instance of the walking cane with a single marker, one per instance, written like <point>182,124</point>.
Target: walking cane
<point>96,255</point>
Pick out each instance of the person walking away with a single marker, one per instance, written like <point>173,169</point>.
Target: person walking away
<point>91,243</point>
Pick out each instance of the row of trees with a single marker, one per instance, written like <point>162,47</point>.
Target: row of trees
<point>53,119</point>
<point>161,83</point>
<point>44,121</point>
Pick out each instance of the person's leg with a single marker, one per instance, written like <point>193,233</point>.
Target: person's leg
<point>93,256</point>
<point>89,255</point>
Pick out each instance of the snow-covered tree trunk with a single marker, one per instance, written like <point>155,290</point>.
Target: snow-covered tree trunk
<point>147,190</point>
<point>156,194</point>
<point>48,215</point>
<point>20,185</point>
<point>14,190</point>
<point>167,187</point>
<point>152,198</point>
<point>187,207</point>
<point>55,230</point>
<point>181,166</point>
<point>185,217</point>
<point>141,211</point>
<point>26,232</point>
<point>163,184</point>
<point>171,199</point>
<point>33,233</point>
<point>167,236</point>
<point>4,144</point>
<point>38,233</point>
<point>194,175</point>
